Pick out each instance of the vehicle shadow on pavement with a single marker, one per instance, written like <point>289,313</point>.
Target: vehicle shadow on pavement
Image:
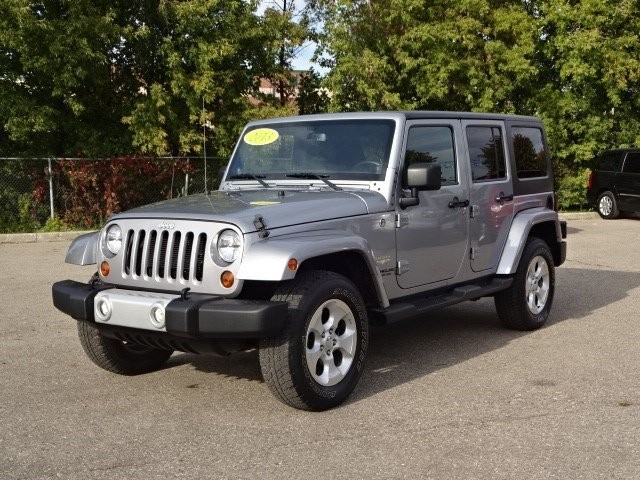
<point>238,366</point>
<point>402,352</point>
<point>414,348</point>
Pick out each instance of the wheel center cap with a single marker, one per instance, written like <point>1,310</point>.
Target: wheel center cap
<point>328,343</point>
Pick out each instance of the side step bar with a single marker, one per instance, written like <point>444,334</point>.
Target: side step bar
<point>418,306</point>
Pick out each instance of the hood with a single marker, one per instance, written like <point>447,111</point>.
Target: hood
<point>279,208</point>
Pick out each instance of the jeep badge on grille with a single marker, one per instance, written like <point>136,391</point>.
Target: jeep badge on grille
<point>166,225</point>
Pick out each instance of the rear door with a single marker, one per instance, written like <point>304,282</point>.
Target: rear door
<point>491,192</point>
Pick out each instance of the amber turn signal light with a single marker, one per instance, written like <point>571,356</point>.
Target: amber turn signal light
<point>293,264</point>
<point>105,268</point>
<point>227,279</point>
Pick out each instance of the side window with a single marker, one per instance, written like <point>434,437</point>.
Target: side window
<point>530,154</point>
<point>610,162</point>
<point>433,145</point>
<point>632,163</point>
<point>486,153</point>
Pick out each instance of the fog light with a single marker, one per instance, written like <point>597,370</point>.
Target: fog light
<point>157,315</point>
<point>227,279</point>
<point>105,268</point>
<point>103,309</point>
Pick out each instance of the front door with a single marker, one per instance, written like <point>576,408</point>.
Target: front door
<point>431,237</point>
<point>491,194</point>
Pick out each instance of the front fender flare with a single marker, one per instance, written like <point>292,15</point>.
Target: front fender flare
<point>268,260</point>
<point>82,250</point>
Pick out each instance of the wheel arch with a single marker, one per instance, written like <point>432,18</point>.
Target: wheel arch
<point>536,222</point>
<point>352,265</point>
<point>83,250</point>
<point>266,262</point>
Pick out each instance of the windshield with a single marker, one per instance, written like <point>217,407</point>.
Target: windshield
<point>335,149</point>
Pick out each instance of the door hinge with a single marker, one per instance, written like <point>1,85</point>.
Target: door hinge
<point>402,220</point>
<point>403,267</point>
<point>473,211</point>
<point>472,253</point>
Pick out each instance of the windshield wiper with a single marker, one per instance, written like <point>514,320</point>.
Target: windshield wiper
<point>314,176</point>
<point>250,176</point>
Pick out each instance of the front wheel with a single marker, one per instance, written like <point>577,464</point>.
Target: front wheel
<point>525,305</point>
<point>117,356</point>
<point>315,363</point>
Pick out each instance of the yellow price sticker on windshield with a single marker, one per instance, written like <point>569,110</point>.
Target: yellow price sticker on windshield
<point>261,136</point>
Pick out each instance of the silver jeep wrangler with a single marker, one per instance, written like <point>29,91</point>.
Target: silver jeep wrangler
<point>324,225</point>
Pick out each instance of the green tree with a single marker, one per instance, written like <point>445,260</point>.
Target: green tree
<point>54,63</point>
<point>102,78</point>
<point>204,51</point>
<point>441,55</point>
<point>572,62</point>
<point>312,97</point>
<point>589,88</point>
<point>288,30</point>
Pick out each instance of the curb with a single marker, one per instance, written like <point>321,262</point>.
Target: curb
<point>41,236</point>
<point>579,216</point>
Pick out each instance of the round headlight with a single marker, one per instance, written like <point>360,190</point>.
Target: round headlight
<point>229,245</point>
<point>113,239</point>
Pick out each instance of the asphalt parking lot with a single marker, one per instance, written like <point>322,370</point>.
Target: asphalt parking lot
<point>449,396</point>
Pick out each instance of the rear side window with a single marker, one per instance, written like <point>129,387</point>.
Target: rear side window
<point>433,144</point>
<point>486,153</point>
<point>632,163</point>
<point>610,162</point>
<point>530,154</point>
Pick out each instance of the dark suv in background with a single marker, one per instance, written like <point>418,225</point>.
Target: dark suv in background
<point>614,183</point>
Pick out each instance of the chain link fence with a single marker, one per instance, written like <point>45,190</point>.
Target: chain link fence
<point>52,194</point>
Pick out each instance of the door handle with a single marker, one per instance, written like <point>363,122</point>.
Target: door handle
<point>455,203</point>
<point>501,198</point>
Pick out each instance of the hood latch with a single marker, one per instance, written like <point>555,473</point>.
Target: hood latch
<point>258,222</point>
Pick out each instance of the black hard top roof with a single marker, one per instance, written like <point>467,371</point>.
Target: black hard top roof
<point>423,114</point>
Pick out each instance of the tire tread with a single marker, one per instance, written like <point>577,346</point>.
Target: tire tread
<point>111,355</point>
<point>274,352</point>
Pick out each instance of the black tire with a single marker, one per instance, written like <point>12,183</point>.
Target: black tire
<point>119,357</point>
<point>607,206</point>
<point>525,305</point>
<point>317,328</point>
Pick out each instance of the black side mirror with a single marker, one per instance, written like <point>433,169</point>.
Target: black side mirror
<point>424,176</point>
<point>421,176</point>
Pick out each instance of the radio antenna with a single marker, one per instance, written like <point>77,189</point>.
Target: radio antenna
<point>204,144</point>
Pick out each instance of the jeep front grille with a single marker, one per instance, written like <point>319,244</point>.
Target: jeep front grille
<point>164,255</point>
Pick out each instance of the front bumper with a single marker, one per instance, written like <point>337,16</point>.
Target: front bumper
<point>198,316</point>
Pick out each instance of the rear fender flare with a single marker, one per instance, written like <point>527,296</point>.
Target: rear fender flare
<point>519,233</point>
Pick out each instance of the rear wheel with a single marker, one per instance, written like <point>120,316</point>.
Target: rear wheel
<point>315,363</point>
<point>608,206</point>
<point>525,305</point>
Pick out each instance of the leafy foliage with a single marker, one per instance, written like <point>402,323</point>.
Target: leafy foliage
<point>110,78</point>
<point>104,78</point>
<point>442,55</point>
<point>94,189</point>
